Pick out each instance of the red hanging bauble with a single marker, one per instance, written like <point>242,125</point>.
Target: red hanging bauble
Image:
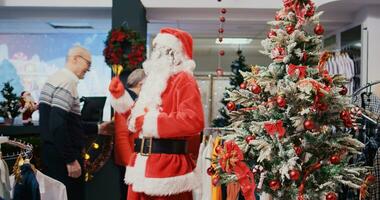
<point>344,90</point>
<point>215,181</point>
<point>219,71</point>
<point>243,85</point>
<point>210,171</point>
<point>345,115</point>
<point>222,19</point>
<point>274,185</point>
<point>331,196</point>
<point>249,138</point>
<point>298,150</point>
<point>221,52</point>
<point>335,159</point>
<point>294,174</point>
<point>310,12</point>
<point>256,89</point>
<point>323,106</point>
<point>223,11</point>
<point>281,101</point>
<point>290,29</point>
<point>231,106</point>
<point>221,30</point>
<point>319,30</point>
<point>308,124</point>
<point>271,34</point>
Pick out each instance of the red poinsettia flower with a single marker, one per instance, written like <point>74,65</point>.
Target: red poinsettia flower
<point>117,36</point>
<point>230,156</point>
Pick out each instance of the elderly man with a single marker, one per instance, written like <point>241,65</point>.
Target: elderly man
<point>62,131</point>
<point>166,117</point>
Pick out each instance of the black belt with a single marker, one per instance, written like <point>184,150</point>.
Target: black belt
<point>147,146</point>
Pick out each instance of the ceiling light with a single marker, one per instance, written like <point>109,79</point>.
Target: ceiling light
<point>70,25</point>
<point>234,41</point>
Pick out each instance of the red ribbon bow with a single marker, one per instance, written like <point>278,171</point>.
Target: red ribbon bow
<point>273,128</point>
<point>231,160</point>
<point>302,70</point>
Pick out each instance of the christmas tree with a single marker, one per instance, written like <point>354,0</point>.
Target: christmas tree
<point>236,81</point>
<point>292,138</point>
<point>9,108</point>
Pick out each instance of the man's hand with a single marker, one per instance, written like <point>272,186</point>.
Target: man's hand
<point>106,128</point>
<point>74,169</point>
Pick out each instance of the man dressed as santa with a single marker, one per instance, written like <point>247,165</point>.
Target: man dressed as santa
<point>164,119</point>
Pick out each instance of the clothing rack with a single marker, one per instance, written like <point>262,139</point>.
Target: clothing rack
<point>26,149</point>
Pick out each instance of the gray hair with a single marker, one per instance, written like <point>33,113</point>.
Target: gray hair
<point>135,77</point>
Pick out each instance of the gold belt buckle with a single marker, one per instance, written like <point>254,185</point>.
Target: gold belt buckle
<point>150,140</point>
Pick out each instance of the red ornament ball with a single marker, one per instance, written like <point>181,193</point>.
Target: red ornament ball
<point>221,30</point>
<point>219,71</point>
<point>323,107</point>
<point>331,196</point>
<point>281,101</point>
<point>319,30</point>
<point>310,12</point>
<point>223,11</point>
<point>256,89</point>
<point>343,91</point>
<point>250,138</point>
<point>210,171</point>
<point>294,174</point>
<point>290,29</point>
<point>348,123</point>
<point>222,19</point>
<point>308,124</point>
<point>231,106</point>
<point>221,52</point>
<point>298,150</point>
<point>345,115</point>
<point>271,34</point>
<point>274,185</point>
<point>243,85</point>
<point>335,159</point>
<point>215,181</point>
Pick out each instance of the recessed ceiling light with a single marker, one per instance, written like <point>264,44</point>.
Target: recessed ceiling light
<point>234,41</point>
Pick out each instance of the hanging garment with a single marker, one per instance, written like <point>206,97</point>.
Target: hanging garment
<point>206,163</point>
<point>50,189</point>
<point>28,187</point>
<point>375,189</point>
<point>5,186</point>
<point>197,193</point>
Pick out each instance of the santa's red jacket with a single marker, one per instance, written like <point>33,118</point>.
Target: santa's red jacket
<point>179,117</point>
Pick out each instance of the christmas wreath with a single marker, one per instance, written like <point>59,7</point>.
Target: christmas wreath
<point>125,48</point>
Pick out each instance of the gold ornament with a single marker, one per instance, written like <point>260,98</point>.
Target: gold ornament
<point>86,156</point>
<point>117,69</point>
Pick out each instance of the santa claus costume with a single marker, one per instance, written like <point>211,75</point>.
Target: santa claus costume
<point>166,116</point>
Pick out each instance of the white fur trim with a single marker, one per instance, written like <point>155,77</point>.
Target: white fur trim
<point>168,40</point>
<point>150,128</point>
<point>187,65</point>
<point>158,186</point>
<point>122,104</point>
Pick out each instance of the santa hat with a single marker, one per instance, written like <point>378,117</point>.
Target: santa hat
<point>179,41</point>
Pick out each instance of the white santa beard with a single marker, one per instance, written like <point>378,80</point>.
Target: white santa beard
<point>158,72</point>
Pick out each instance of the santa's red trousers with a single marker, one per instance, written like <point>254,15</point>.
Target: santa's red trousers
<point>141,196</point>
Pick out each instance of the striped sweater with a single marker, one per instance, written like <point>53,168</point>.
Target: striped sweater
<point>60,120</point>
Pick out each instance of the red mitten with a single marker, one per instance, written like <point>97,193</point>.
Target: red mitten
<point>116,87</point>
<point>139,123</point>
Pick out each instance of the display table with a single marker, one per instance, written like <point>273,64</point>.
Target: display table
<point>20,130</point>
